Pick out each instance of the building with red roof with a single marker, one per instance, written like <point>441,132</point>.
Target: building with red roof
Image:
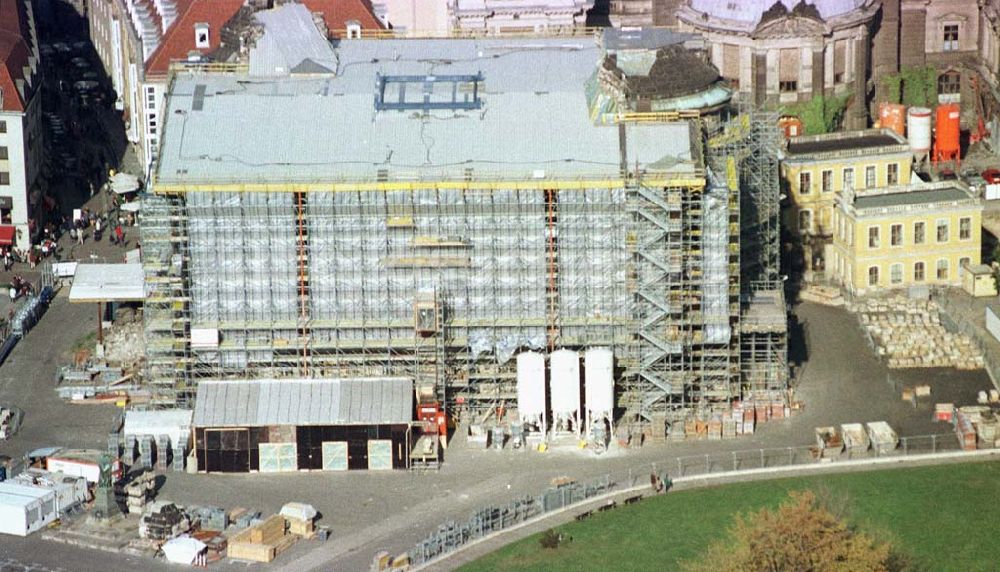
<point>21,148</point>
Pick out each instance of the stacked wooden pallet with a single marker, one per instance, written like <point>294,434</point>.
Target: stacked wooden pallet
<point>262,542</point>
<point>909,334</point>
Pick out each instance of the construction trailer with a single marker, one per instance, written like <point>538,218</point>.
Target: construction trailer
<point>468,209</point>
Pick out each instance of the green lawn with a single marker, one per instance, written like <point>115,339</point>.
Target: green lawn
<point>944,518</point>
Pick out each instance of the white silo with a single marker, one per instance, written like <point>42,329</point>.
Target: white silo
<point>564,385</point>
<point>918,130</point>
<point>599,386</point>
<point>531,389</point>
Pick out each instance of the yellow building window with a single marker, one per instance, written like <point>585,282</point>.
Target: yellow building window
<point>874,240</point>
<point>942,231</point>
<point>964,228</point>
<point>896,235</point>
<point>918,271</point>
<point>896,274</point>
<point>805,221</point>
<point>873,275</point>
<point>870,176</point>
<point>942,269</point>
<point>892,174</point>
<point>826,181</point>
<point>805,183</point>
<point>848,178</point>
<point>919,232</point>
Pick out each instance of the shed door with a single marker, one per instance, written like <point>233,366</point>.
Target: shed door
<point>227,450</point>
<point>379,454</point>
<point>334,455</point>
<point>278,457</point>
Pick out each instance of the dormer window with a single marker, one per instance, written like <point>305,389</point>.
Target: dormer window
<point>201,37</point>
<point>353,29</point>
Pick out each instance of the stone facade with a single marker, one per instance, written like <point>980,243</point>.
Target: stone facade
<point>783,55</point>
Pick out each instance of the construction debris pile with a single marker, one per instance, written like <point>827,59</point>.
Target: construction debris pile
<point>909,334</point>
<point>124,344</point>
<point>977,427</point>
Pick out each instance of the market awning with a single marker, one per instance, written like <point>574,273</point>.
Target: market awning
<point>108,283</point>
<point>318,402</point>
<point>8,234</point>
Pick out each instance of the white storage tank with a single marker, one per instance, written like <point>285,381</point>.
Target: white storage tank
<point>565,390</point>
<point>531,388</point>
<point>599,384</point>
<point>918,128</point>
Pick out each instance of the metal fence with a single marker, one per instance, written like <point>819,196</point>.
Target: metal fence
<point>452,535</point>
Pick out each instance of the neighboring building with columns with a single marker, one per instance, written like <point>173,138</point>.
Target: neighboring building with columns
<point>786,51</point>
<point>497,16</point>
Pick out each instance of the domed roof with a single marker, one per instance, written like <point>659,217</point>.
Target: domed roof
<point>750,11</point>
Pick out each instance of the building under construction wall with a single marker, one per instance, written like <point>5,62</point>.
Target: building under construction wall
<point>432,208</point>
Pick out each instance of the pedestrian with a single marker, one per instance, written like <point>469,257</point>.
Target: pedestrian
<point>120,235</point>
<point>13,293</point>
<point>79,236</point>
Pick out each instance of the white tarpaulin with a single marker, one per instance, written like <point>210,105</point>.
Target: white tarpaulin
<point>183,549</point>
<point>175,423</point>
<point>108,283</point>
<point>132,207</point>
<point>299,510</point>
<point>123,183</point>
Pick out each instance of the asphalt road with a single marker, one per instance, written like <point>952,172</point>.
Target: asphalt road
<point>841,381</point>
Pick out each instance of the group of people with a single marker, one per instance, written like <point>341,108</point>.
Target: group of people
<point>89,219</point>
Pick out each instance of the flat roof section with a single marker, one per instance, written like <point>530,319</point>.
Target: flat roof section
<point>259,402</point>
<point>533,122</point>
<point>108,283</point>
<point>869,141</point>
<point>910,198</point>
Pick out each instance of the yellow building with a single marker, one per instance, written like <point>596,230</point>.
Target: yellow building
<point>815,169</point>
<point>899,237</point>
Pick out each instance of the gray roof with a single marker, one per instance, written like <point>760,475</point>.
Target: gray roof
<point>291,43</point>
<point>915,197</point>
<point>534,122</point>
<point>647,39</point>
<point>856,140</point>
<point>259,402</point>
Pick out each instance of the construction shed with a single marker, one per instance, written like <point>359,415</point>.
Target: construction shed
<point>268,425</point>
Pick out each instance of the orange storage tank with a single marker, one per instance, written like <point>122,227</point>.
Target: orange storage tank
<point>947,133</point>
<point>892,116</point>
<point>791,126</point>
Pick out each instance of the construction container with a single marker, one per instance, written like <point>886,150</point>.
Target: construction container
<point>892,116</point>
<point>829,442</point>
<point>944,412</point>
<point>791,126</point>
<point>965,431</point>
<point>854,437</point>
<point>882,436</point>
<point>918,129</point>
<point>948,131</point>
<point>715,428</point>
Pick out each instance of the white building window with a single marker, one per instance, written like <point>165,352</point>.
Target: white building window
<point>202,40</point>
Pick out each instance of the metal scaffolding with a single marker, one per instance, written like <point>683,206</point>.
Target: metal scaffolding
<point>446,282</point>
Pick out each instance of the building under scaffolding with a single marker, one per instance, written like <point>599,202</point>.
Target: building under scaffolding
<point>437,206</point>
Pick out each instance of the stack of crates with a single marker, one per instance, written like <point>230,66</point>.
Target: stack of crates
<point>114,443</point>
<point>162,452</point>
<point>146,452</point>
<point>130,445</point>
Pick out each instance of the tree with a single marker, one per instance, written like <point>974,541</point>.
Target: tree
<point>919,85</point>
<point>820,114</point>
<point>799,535</point>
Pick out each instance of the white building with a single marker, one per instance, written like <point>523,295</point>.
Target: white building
<point>528,16</point>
